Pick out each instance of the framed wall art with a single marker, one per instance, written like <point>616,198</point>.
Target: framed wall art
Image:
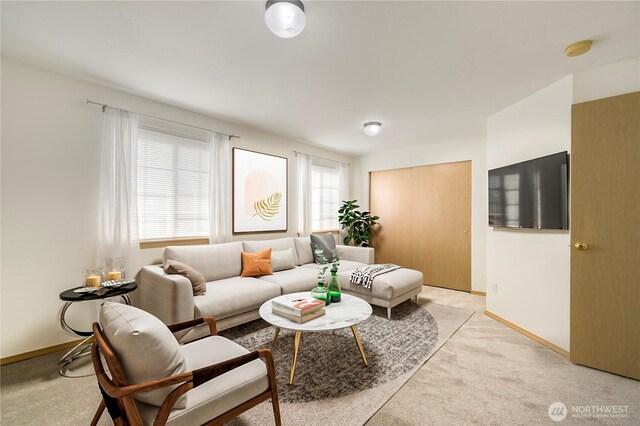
<point>260,192</point>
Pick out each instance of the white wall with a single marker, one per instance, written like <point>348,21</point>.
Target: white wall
<point>50,180</point>
<point>435,153</point>
<point>613,79</point>
<point>531,268</point>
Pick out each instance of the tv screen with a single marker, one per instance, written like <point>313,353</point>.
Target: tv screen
<point>532,194</point>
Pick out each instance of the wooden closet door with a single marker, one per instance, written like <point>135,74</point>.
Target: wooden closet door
<point>425,213</point>
<point>605,215</point>
<point>442,194</point>
<point>391,198</point>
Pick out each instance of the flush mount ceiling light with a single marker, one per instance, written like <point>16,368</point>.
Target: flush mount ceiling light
<point>579,48</point>
<point>372,128</point>
<point>285,18</point>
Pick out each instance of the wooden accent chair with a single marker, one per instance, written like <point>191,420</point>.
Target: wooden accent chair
<point>211,404</point>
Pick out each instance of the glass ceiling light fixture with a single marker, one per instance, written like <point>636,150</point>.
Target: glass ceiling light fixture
<point>372,128</point>
<point>285,18</point>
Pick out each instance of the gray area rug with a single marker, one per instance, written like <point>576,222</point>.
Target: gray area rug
<point>332,385</point>
<point>329,366</point>
<point>355,408</point>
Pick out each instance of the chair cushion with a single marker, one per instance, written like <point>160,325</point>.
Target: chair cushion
<point>234,296</point>
<point>198,284</point>
<point>294,280</point>
<point>303,247</point>
<point>256,264</point>
<point>214,261</point>
<point>281,260</point>
<point>219,395</point>
<point>386,286</point>
<point>326,243</point>
<point>345,265</point>
<point>145,347</point>
<point>275,244</point>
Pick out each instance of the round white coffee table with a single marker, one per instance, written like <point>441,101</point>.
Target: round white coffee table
<point>347,313</point>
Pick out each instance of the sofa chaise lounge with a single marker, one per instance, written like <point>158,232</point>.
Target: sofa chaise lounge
<point>233,300</point>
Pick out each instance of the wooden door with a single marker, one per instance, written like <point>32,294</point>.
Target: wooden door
<point>425,213</point>
<point>391,199</point>
<point>443,205</point>
<point>605,214</point>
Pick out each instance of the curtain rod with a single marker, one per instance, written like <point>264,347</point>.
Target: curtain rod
<point>89,101</point>
<point>321,158</point>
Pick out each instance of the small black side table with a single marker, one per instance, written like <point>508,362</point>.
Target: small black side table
<point>84,348</point>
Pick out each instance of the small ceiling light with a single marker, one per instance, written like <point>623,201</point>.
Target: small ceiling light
<point>285,18</point>
<point>372,128</point>
<point>579,48</point>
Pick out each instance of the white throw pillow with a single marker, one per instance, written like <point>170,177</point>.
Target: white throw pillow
<point>282,260</point>
<point>145,347</point>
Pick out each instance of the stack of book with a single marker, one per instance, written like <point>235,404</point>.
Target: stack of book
<point>298,309</point>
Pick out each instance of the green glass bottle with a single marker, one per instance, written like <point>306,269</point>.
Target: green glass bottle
<point>335,293</point>
<point>321,293</point>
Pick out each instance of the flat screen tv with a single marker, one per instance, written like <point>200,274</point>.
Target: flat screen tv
<point>532,194</point>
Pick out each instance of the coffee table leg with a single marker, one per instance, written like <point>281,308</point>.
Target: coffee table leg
<point>275,337</point>
<point>355,334</point>
<point>296,346</point>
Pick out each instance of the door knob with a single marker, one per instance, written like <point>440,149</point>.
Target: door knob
<point>581,246</point>
<point>467,232</point>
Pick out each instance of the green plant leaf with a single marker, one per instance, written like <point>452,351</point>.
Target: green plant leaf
<point>358,225</point>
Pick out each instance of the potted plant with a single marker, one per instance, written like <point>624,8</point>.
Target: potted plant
<point>359,225</point>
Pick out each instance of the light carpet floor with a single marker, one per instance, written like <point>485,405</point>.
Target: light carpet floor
<point>488,373</point>
<point>485,374</point>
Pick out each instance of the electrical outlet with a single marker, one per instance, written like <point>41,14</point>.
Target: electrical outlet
<point>494,288</point>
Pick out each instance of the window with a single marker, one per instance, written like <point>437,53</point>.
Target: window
<point>325,196</point>
<point>173,185</point>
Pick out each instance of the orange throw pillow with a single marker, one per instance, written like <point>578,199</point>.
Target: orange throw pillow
<point>256,264</point>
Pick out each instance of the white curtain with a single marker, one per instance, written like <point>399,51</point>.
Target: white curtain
<point>117,217</point>
<point>220,189</point>
<point>344,182</point>
<point>344,192</point>
<point>304,195</point>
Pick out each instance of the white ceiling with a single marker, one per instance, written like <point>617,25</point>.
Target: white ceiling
<point>429,71</point>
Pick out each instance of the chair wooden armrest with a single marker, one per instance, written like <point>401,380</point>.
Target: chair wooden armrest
<point>187,381</point>
<point>213,329</point>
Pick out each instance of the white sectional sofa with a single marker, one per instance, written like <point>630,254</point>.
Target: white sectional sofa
<point>233,300</point>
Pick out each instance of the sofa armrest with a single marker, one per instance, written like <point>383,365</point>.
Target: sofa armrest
<point>167,296</point>
<point>357,254</point>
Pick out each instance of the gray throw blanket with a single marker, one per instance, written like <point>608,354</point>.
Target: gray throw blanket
<point>364,276</point>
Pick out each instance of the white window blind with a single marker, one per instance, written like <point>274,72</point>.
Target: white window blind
<point>173,186</point>
<point>325,195</point>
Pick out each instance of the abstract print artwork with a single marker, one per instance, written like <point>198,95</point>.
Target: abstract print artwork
<point>259,192</point>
